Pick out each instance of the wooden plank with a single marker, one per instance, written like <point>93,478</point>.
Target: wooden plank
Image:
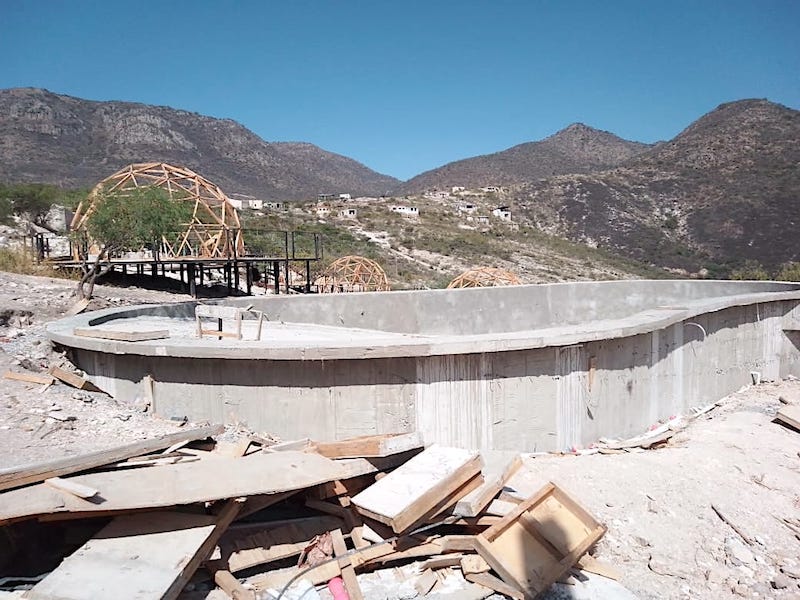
<point>348,573</point>
<point>172,485</point>
<point>488,580</point>
<point>270,545</point>
<point>213,311</point>
<point>33,473</point>
<point>231,586</point>
<point>77,308</point>
<point>790,415</point>
<point>371,445</point>
<point>122,336</point>
<point>405,495</point>
<point>133,557</point>
<point>496,473</point>
<point>346,487</point>
<point>442,562</point>
<point>76,489</point>
<point>29,377</point>
<point>73,380</point>
<point>276,580</point>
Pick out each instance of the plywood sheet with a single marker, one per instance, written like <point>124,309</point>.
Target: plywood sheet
<point>135,557</point>
<point>171,485</point>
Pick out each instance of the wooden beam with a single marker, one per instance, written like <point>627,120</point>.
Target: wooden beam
<point>370,446</point>
<point>348,573</point>
<point>29,377</point>
<point>122,336</point>
<point>790,415</point>
<point>26,474</point>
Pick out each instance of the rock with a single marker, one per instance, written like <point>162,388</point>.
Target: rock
<point>737,552</point>
<point>780,581</point>
<point>716,576</point>
<point>741,590</point>
<point>791,571</point>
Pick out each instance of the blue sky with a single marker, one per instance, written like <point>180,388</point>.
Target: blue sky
<point>407,86</point>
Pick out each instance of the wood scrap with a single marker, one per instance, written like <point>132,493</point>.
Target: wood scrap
<point>592,565</point>
<point>77,308</point>
<point>491,582</point>
<point>425,582</point>
<point>231,586</point>
<point>371,446</point>
<point>73,380</point>
<point>789,415</point>
<point>473,563</point>
<point>415,488</point>
<point>348,572</point>
<point>181,483</point>
<point>121,336</point>
<point>29,377</point>
<point>33,473</point>
<point>71,487</point>
<point>497,471</point>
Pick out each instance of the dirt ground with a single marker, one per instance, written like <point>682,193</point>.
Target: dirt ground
<point>663,535</point>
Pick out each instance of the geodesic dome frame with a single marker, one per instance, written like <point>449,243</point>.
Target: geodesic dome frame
<point>214,231</point>
<point>484,277</point>
<point>352,274</point>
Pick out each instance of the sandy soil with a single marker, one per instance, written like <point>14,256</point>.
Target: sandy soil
<point>663,535</point>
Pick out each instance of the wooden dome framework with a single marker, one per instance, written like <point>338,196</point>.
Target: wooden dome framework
<point>214,230</point>
<point>352,274</point>
<point>484,277</point>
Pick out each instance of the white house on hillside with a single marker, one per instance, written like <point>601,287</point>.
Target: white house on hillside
<point>408,211</point>
<point>502,212</point>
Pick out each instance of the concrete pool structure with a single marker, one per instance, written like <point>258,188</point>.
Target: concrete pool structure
<point>526,368</point>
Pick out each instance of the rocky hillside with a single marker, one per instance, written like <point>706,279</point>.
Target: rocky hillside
<point>576,149</point>
<point>50,138</point>
<point>725,190</point>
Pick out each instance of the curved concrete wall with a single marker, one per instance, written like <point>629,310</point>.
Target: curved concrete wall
<point>524,368</point>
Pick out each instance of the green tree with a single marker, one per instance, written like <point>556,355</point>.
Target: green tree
<point>751,270</point>
<point>789,272</point>
<point>127,220</point>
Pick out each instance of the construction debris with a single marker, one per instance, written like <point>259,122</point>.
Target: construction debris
<point>275,523</point>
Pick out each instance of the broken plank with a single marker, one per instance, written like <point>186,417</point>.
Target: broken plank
<point>278,579</point>
<point>29,377</point>
<point>172,485</point>
<point>789,415</point>
<point>348,573</point>
<point>73,380</point>
<point>122,336</point>
<point>33,473</point>
<point>592,565</point>
<point>370,446</point>
<point>417,487</point>
<point>77,308</point>
<point>133,557</point>
<point>473,563</point>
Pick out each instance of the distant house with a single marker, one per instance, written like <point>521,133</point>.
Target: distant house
<point>436,194</point>
<point>323,211</point>
<point>482,220</point>
<point>491,189</point>
<point>236,203</point>
<point>408,211</point>
<point>345,197</point>
<point>255,204</point>
<point>502,212</point>
<point>466,207</point>
<point>324,197</point>
<point>348,213</point>
<point>457,189</point>
<point>275,205</point>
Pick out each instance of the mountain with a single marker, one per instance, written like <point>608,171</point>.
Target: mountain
<point>575,149</point>
<point>723,191</point>
<point>51,138</point>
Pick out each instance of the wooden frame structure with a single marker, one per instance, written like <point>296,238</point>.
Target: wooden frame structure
<point>214,231</point>
<point>352,274</point>
<point>484,277</point>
